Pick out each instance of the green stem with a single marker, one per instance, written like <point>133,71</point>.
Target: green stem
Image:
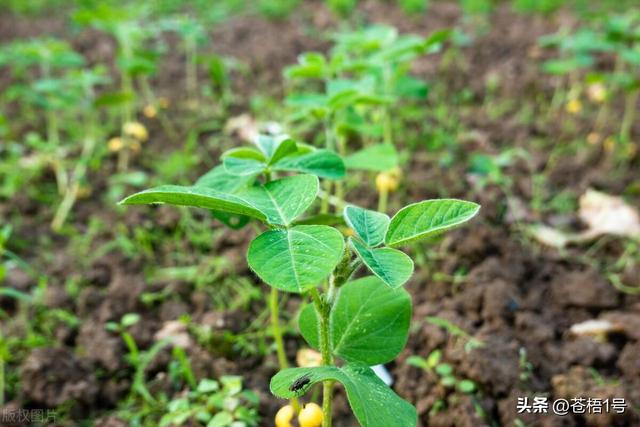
<point>629,114</point>
<point>383,197</point>
<point>71,193</point>
<point>324,203</point>
<point>274,309</point>
<point>342,150</point>
<point>275,329</point>
<point>388,127</point>
<point>323,310</point>
<point>1,374</point>
<point>192,67</point>
<point>53,139</point>
<point>150,98</point>
<point>386,112</point>
<point>126,110</point>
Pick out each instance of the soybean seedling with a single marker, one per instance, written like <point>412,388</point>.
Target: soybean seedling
<point>576,52</point>
<point>134,60</point>
<point>623,34</point>
<point>362,322</point>
<point>50,91</point>
<point>139,360</point>
<point>192,35</point>
<point>67,96</point>
<point>365,73</point>
<point>446,376</point>
<point>470,343</point>
<point>214,403</point>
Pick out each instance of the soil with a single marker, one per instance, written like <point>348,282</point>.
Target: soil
<point>517,298</point>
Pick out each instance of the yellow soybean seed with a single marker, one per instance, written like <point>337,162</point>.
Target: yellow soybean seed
<point>136,130</point>
<point>310,416</point>
<point>284,416</point>
<point>115,144</point>
<point>574,106</point>
<point>386,181</point>
<point>150,111</point>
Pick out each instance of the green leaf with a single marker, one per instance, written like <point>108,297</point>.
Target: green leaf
<point>370,226</point>
<point>377,158</point>
<point>417,361</point>
<point>197,197</point>
<point>244,161</point>
<point>392,266</point>
<point>321,219</point>
<point>233,221</point>
<point>219,179</point>
<point>267,144</point>
<point>221,419</point>
<point>373,403</point>
<point>311,65</point>
<point>285,148</point>
<point>207,386</point>
<point>278,202</point>
<point>369,322</point>
<point>466,386</point>
<point>296,259</point>
<point>285,199</point>
<point>322,163</point>
<point>427,218</point>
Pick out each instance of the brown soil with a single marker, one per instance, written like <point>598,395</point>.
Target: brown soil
<point>516,296</point>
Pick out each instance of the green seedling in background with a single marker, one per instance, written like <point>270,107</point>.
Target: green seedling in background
<point>434,366</point>
<point>139,360</point>
<point>67,95</point>
<point>470,343</point>
<point>214,403</point>
<point>136,60</point>
<point>364,76</point>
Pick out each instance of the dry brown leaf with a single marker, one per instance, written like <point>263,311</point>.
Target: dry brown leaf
<point>605,214</point>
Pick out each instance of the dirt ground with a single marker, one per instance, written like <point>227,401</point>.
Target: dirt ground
<point>517,297</point>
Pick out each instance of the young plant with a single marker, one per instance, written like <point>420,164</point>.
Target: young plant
<point>576,53</point>
<point>66,94</point>
<point>470,342</point>
<point>51,92</point>
<point>214,403</point>
<point>139,360</point>
<point>623,35</point>
<point>443,372</point>
<point>365,75</point>
<point>192,35</point>
<point>360,322</point>
<point>135,60</point>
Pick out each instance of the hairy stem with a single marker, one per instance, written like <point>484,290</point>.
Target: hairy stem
<point>323,309</point>
<point>274,308</point>
<point>275,329</point>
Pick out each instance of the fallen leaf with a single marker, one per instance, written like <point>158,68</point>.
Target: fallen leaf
<point>594,327</point>
<point>550,236</point>
<point>175,332</point>
<point>605,214</point>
